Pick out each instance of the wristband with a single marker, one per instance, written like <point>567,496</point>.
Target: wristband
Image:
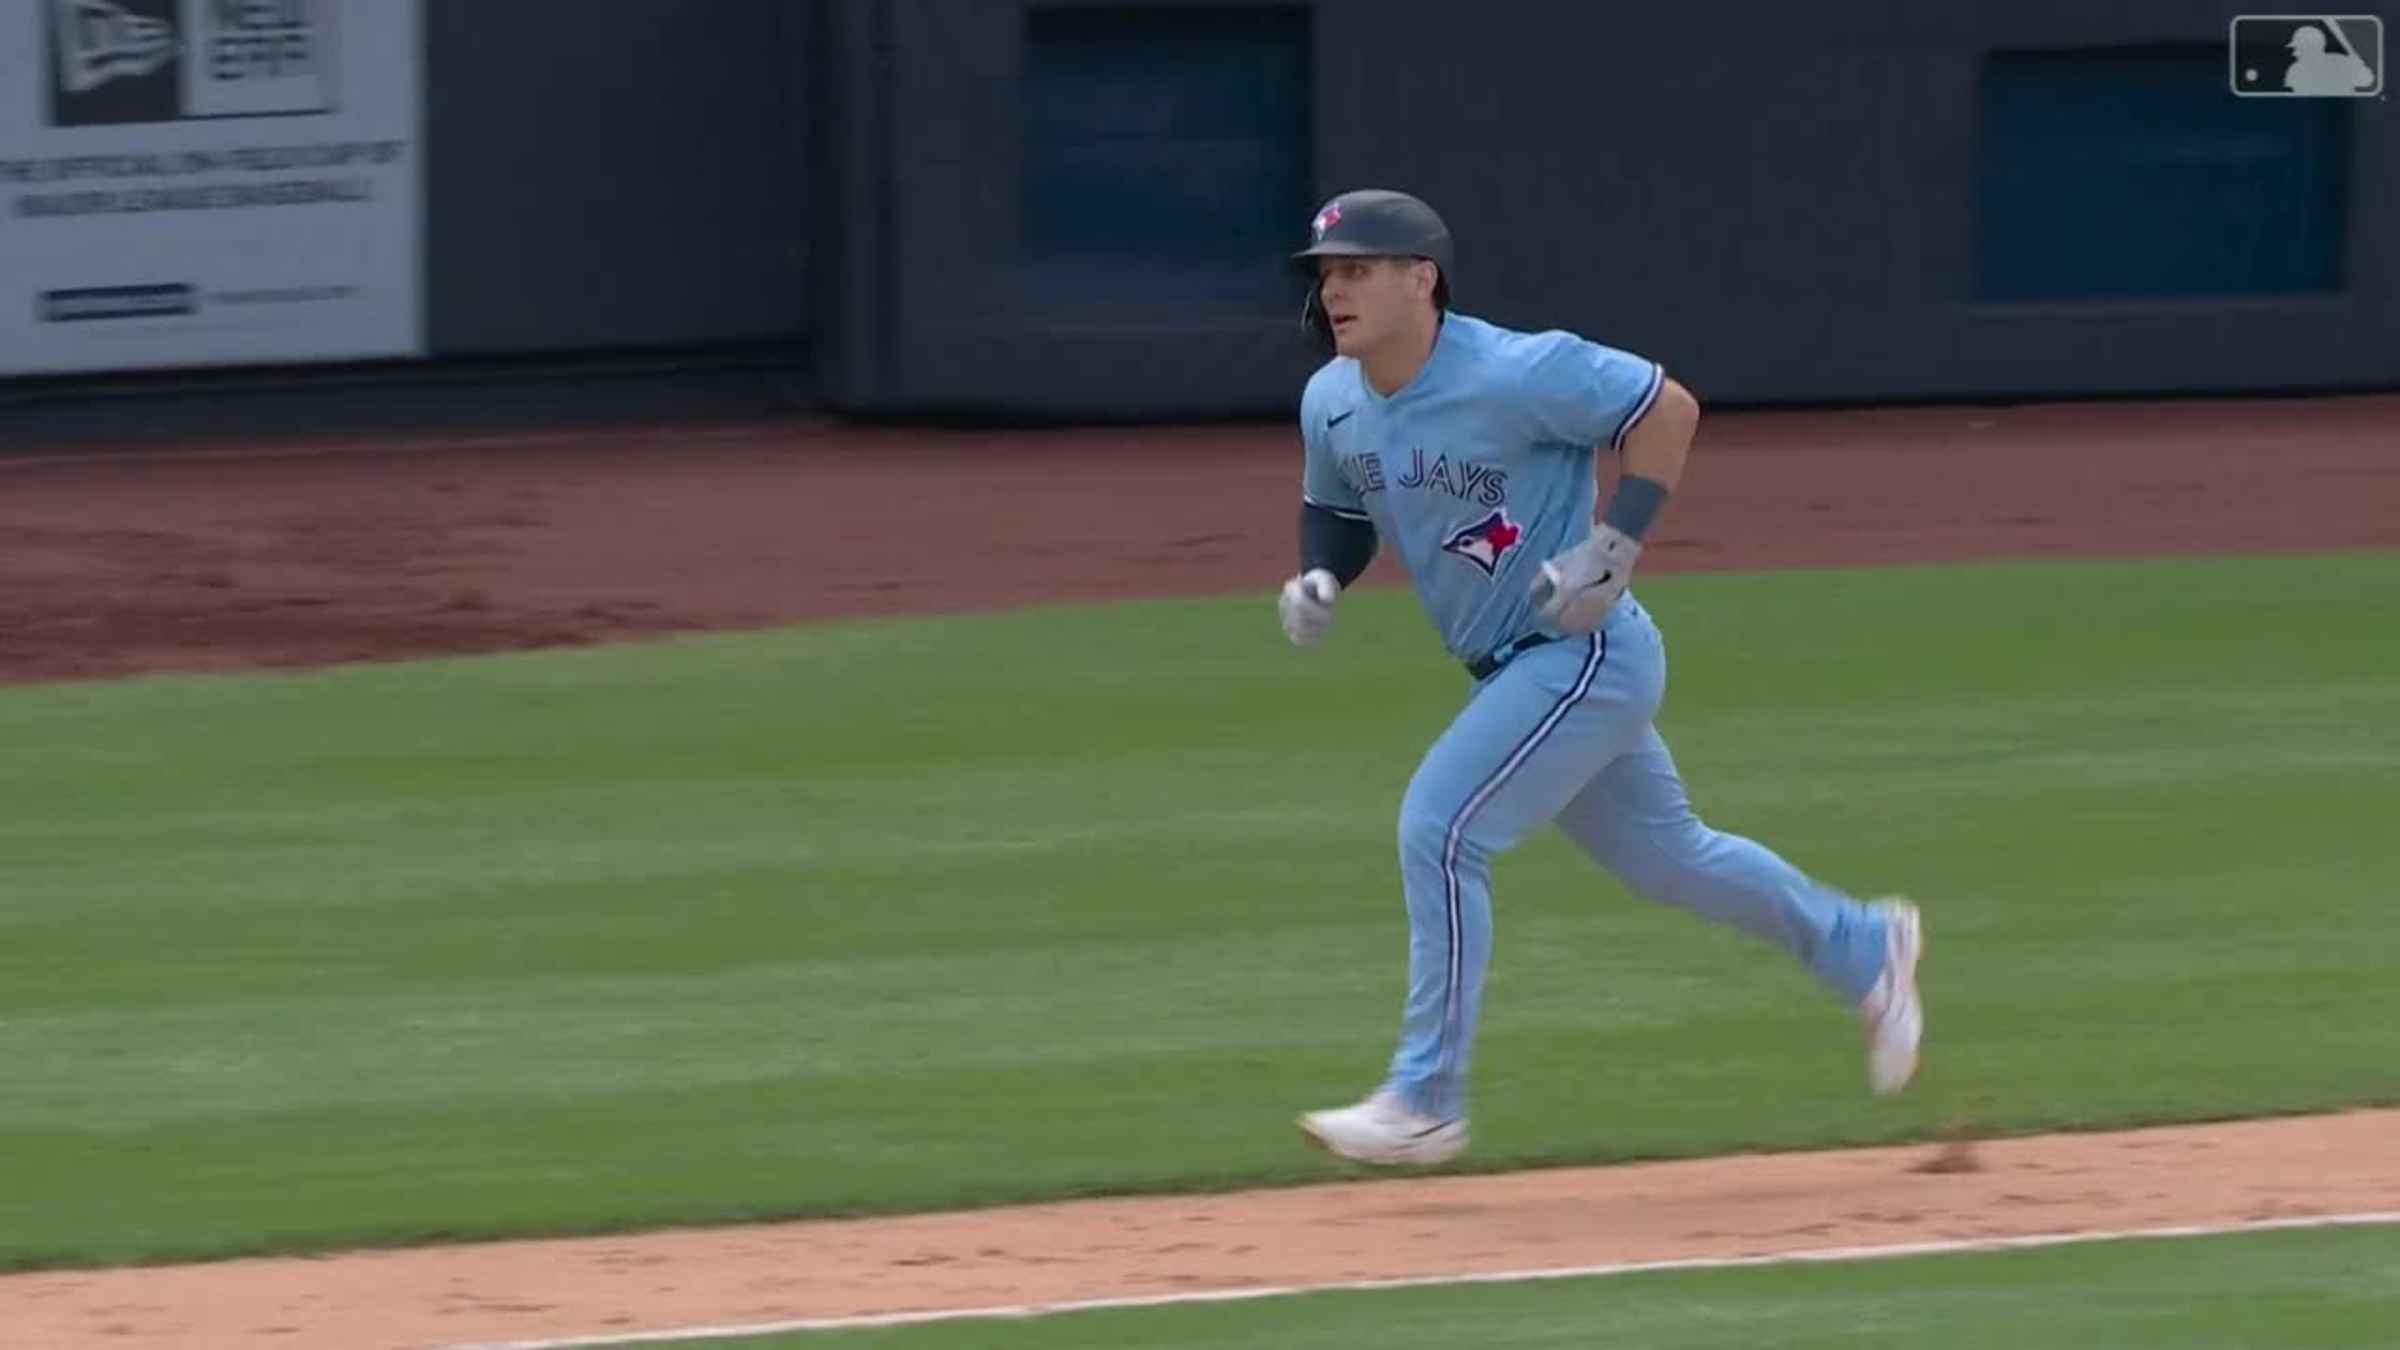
<point>1631,507</point>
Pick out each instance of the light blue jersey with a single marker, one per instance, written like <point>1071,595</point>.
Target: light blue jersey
<point>1480,468</point>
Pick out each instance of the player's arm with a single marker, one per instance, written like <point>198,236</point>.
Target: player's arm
<point>1650,459</point>
<point>1337,538</point>
<point>1339,542</point>
<point>1335,547</point>
<point>1575,590</point>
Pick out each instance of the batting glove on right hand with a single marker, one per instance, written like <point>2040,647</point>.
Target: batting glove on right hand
<point>1306,605</point>
<point>1574,590</point>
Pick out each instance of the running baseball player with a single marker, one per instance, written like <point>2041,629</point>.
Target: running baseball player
<point>1471,448</point>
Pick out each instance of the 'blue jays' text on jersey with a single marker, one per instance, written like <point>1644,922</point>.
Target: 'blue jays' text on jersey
<point>1480,468</point>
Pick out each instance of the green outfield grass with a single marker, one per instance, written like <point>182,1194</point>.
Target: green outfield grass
<point>929,913</point>
<point>2320,1289</point>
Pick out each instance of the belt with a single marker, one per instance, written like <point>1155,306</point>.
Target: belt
<point>1486,666</point>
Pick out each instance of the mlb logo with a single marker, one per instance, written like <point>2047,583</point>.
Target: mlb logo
<point>2306,56</point>
<point>114,62</point>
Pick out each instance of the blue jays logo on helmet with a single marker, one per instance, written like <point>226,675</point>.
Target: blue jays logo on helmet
<point>1486,542</point>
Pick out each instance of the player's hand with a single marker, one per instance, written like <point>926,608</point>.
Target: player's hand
<point>1306,605</point>
<point>1575,589</point>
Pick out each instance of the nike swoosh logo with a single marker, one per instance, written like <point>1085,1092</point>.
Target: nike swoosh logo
<point>1605,578</point>
<point>1338,418</point>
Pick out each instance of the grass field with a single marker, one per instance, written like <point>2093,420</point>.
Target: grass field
<point>2311,1290</point>
<point>928,913</point>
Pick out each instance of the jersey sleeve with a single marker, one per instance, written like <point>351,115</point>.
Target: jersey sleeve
<point>1581,393</point>
<point>1322,483</point>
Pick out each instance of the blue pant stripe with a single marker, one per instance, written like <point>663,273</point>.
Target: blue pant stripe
<point>1452,1011</point>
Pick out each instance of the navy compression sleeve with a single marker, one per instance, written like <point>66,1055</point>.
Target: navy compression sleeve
<point>1339,544</point>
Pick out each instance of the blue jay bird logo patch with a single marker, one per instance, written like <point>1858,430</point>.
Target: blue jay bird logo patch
<point>1485,542</point>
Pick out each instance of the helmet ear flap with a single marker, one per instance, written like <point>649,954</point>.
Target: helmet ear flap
<point>1313,319</point>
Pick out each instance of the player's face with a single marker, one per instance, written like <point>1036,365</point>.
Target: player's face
<point>1372,300</point>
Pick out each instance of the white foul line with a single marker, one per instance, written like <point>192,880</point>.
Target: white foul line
<point>1023,1310</point>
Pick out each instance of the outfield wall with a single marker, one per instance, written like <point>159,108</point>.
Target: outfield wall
<point>1076,209</point>
<point>1849,200</point>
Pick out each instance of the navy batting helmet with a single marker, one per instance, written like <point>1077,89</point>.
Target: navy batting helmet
<point>1372,223</point>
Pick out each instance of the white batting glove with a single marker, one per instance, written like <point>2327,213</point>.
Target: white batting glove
<point>1306,605</point>
<point>1576,588</point>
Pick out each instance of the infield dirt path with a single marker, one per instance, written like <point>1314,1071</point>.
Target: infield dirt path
<point>261,556</point>
<point>231,557</point>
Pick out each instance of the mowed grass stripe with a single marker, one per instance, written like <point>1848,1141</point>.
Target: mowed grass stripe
<point>916,914</point>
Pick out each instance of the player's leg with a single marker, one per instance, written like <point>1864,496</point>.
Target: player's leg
<point>1526,742</point>
<point>1636,820</point>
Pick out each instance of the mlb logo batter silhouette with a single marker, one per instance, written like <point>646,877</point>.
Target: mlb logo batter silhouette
<point>2306,56</point>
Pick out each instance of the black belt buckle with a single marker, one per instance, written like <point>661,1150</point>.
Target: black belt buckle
<point>1486,666</point>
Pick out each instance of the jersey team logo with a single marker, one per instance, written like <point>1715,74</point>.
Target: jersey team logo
<point>1485,542</point>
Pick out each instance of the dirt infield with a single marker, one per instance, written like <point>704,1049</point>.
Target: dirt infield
<point>231,557</point>
<point>284,555</point>
<point>754,1275</point>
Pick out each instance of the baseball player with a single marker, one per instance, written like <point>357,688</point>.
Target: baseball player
<point>2317,71</point>
<point>1471,449</point>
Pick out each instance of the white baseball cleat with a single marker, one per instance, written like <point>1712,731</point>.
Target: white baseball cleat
<point>1383,1130</point>
<point>1892,1012</point>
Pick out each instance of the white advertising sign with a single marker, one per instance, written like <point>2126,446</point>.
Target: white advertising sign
<point>208,182</point>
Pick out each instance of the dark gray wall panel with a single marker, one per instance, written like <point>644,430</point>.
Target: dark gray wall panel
<point>1784,207</point>
<point>1781,202</point>
<point>968,320</point>
<point>628,174</point>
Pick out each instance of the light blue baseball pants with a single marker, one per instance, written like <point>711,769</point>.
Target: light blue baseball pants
<point>1564,733</point>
